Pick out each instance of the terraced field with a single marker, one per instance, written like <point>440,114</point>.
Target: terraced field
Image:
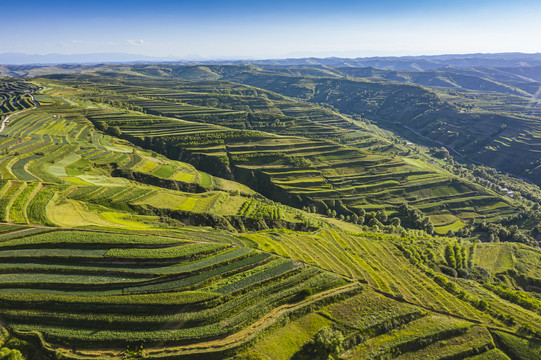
<point>367,174</point>
<point>15,96</point>
<point>87,294</point>
<point>89,288</point>
<point>114,251</point>
<point>488,116</point>
<point>56,171</point>
<point>368,260</point>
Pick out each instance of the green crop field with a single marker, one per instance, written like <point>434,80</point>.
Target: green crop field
<point>212,213</point>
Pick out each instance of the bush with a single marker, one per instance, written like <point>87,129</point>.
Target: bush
<point>9,354</point>
<point>326,344</point>
<point>301,295</point>
<point>448,271</point>
<point>481,305</point>
<point>463,273</point>
<point>480,274</point>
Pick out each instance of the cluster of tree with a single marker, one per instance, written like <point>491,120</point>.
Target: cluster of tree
<point>496,232</point>
<point>376,221</point>
<point>10,354</point>
<point>456,256</point>
<point>440,153</point>
<point>528,330</point>
<point>111,130</point>
<point>213,137</point>
<point>260,156</point>
<point>129,120</point>
<point>415,255</point>
<point>90,89</point>
<point>261,209</point>
<point>299,161</point>
<point>326,344</point>
<point>247,120</point>
<point>496,180</point>
<point>119,104</point>
<point>134,353</point>
<point>454,289</point>
<point>413,218</point>
<point>505,229</point>
<point>232,223</point>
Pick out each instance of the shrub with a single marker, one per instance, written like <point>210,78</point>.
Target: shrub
<point>463,273</point>
<point>448,271</point>
<point>325,344</point>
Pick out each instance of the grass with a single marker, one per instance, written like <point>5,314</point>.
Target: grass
<point>58,169</point>
<point>426,330</point>
<point>519,348</point>
<point>282,345</point>
<point>206,180</point>
<point>165,171</point>
<point>123,220</point>
<point>495,257</point>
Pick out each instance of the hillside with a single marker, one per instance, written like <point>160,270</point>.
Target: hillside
<point>152,218</point>
<point>487,116</point>
<point>484,115</point>
<point>292,152</point>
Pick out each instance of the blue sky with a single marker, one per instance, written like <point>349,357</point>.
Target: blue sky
<point>271,29</point>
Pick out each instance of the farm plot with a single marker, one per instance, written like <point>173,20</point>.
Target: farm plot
<point>375,262</point>
<point>199,290</point>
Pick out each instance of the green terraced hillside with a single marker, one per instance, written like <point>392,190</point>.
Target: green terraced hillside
<point>346,168</point>
<point>152,219</point>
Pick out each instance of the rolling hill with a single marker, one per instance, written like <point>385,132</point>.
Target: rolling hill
<point>149,217</point>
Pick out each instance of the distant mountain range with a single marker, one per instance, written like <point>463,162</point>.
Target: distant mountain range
<point>388,62</point>
<point>95,58</point>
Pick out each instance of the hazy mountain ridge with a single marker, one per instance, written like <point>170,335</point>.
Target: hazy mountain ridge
<point>426,62</point>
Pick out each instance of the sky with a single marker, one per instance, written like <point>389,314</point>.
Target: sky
<point>271,29</point>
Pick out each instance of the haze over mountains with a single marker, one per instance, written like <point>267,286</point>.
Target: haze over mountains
<point>427,62</point>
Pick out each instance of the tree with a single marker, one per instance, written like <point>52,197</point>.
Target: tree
<point>464,253</point>
<point>326,343</point>
<point>482,305</point>
<point>10,354</point>
<point>115,131</point>
<point>450,255</point>
<point>430,228</point>
<point>458,255</point>
<point>381,216</point>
